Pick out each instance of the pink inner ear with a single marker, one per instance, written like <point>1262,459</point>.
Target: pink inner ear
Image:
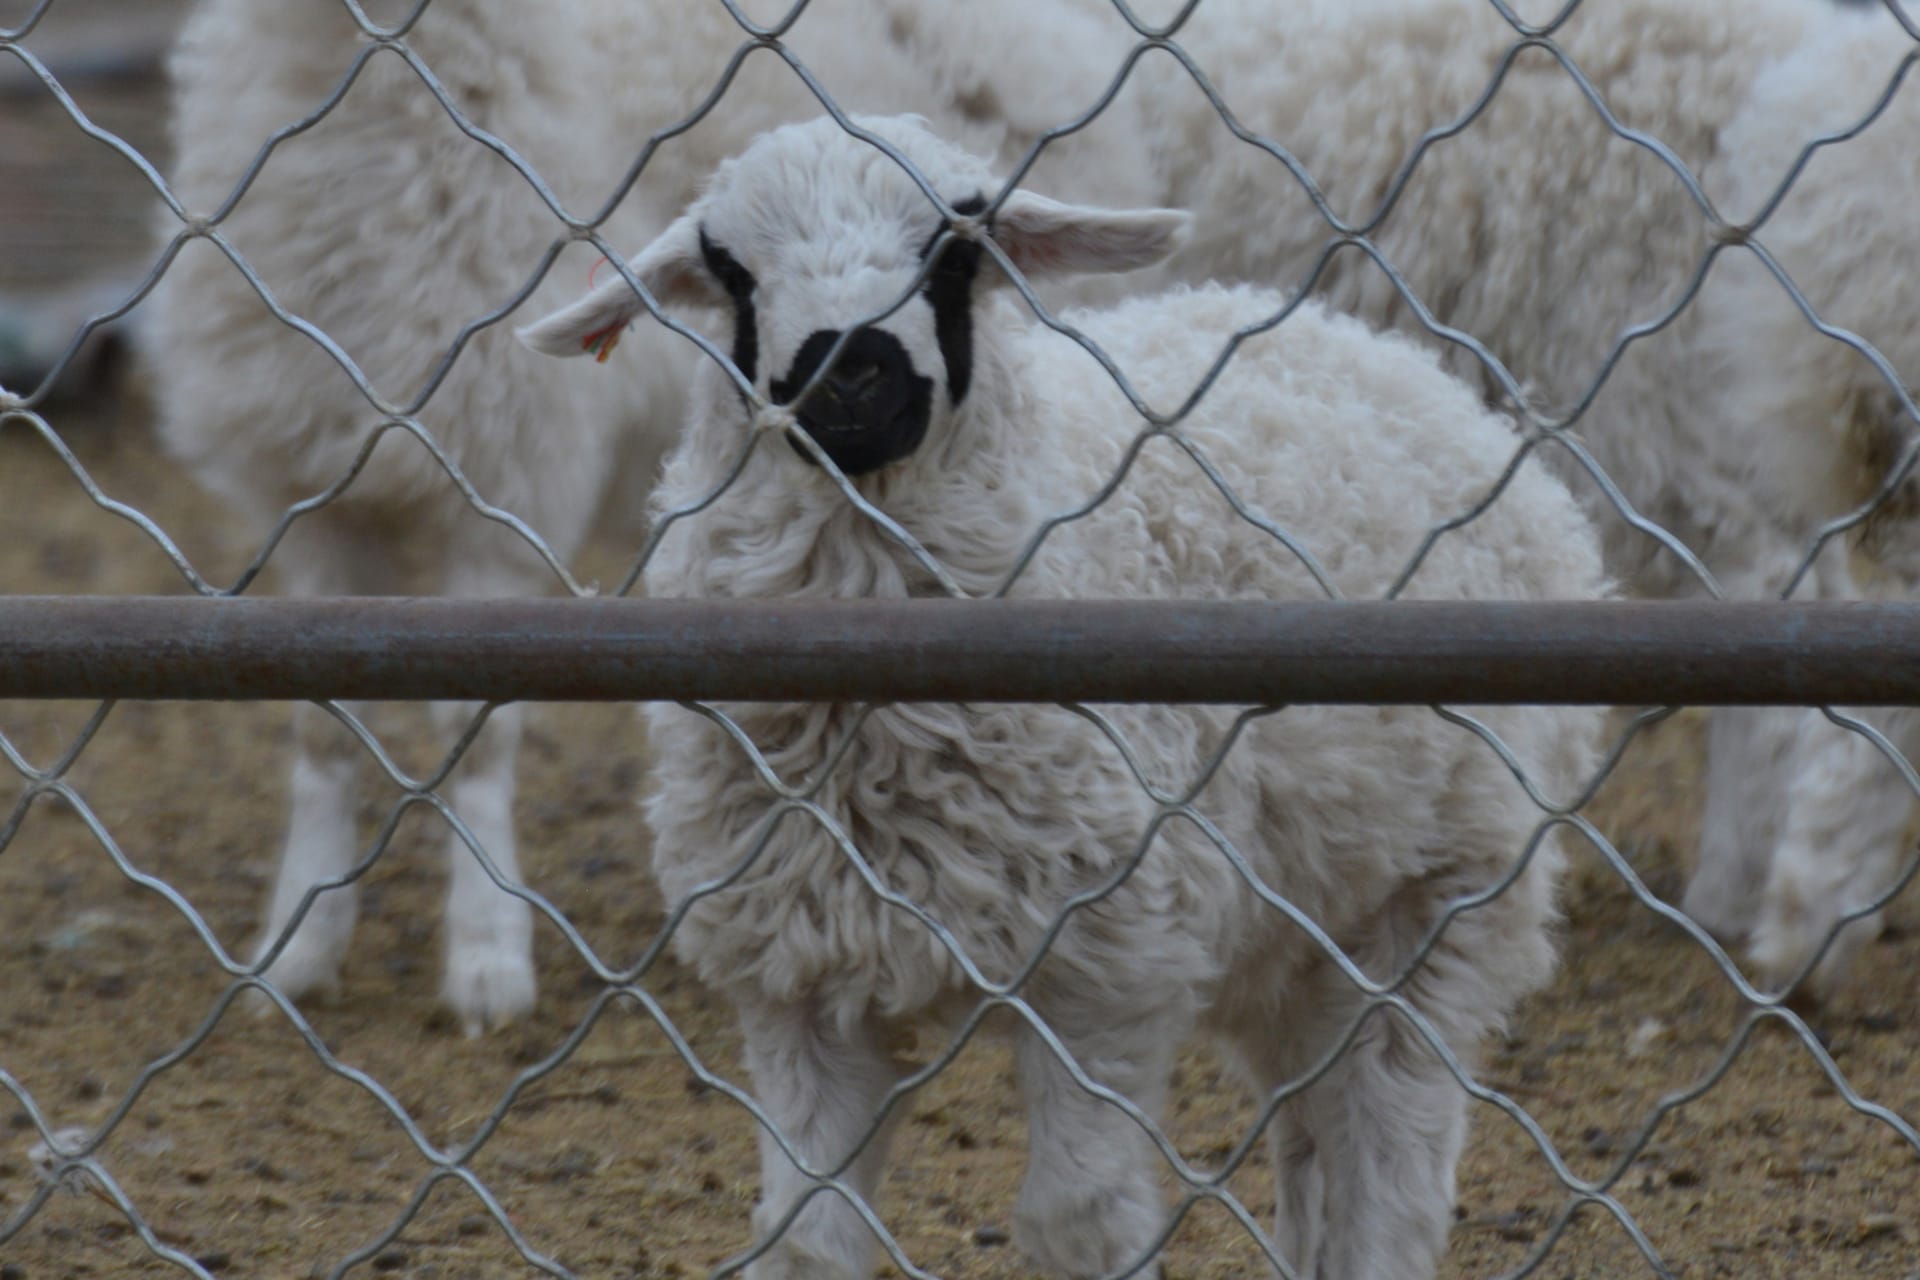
<point>1060,250</point>
<point>1045,238</point>
<point>1036,253</point>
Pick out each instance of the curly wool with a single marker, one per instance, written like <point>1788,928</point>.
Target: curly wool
<point>1355,443</point>
<point>1536,229</point>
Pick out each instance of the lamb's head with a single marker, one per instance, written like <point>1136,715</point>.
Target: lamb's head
<point>818,241</point>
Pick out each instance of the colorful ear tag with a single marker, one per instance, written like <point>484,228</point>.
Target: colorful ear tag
<point>602,341</point>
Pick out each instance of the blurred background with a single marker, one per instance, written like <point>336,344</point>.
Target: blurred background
<point>76,217</point>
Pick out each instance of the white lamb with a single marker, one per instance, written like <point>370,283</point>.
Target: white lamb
<point>1545,236</point>
<point>970,425</point>
<point>392,232</point>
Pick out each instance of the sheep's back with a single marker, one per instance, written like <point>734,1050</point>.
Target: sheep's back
<point>1535,229</point>
<point>1361,449</point>
<point>1355,444</point>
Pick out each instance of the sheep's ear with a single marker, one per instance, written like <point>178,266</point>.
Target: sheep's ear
<point>1045,237</point>
<point>671,269</point>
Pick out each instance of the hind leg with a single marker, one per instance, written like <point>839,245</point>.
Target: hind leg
<point>489,932</point>
<point>1753,763</point>
<point>1364,1158</point>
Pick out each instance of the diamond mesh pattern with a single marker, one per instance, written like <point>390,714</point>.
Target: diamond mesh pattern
<point>68,1159</point>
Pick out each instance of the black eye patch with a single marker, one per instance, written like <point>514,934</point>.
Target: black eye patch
<point>949,289</point>
<point>971,207</point>
<point>739,284</point>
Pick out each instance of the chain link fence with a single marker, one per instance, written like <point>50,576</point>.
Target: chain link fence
<point>1658,1110</point>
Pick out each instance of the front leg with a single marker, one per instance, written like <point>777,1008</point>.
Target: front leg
<point>1841,848</point>
<point>319,848</point>
<point>824,1090</point>
<point>1747,780</point>
<point>489,932</point>
<point>1091,1204</point>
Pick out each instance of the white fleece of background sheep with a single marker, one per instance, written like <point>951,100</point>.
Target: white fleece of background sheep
<point>1823,426</point>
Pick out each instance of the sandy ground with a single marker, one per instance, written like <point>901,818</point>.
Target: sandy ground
<point>250,1155</point>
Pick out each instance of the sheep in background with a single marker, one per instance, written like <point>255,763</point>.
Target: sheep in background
<point>970,425</point>
<point>1544,235</point>
<point>1824,427</point>
<point>388,229</point>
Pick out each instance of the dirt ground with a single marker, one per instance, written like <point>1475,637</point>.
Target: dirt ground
<point>251,1156</point>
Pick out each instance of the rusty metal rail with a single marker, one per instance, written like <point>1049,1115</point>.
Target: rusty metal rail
<point>1696,653</point>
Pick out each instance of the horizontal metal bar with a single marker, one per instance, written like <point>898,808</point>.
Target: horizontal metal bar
<point>946,650</point>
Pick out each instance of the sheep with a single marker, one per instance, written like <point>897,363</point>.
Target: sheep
<point>392,232</point>
<point>970,425</point>
<point>1545,236</point>
<point>1825,427</point>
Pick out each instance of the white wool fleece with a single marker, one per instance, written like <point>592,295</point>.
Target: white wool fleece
<point>991,818</point>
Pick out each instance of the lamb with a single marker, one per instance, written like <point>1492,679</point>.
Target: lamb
<point>970,426</point>
<point>393,233</point>
<point>1545,236</point>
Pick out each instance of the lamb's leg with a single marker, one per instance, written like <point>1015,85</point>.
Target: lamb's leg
<point>1090,1204</point>
<point>322,557</point>
<point>1749,770</point>
<point>1749,752</point>
<point>1299,1187</point>
<point>1840,848</point>
<point>490,977</point>
<point>823,1088</point>
<point>1364,1158</point>
<point>319,847</point>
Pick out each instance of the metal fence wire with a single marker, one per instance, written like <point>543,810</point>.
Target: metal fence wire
<point>538,1150</point>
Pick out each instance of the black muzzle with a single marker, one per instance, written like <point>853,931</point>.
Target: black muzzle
<point>871,408</point>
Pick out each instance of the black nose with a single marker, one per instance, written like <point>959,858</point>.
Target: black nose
<point>869,409</point>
